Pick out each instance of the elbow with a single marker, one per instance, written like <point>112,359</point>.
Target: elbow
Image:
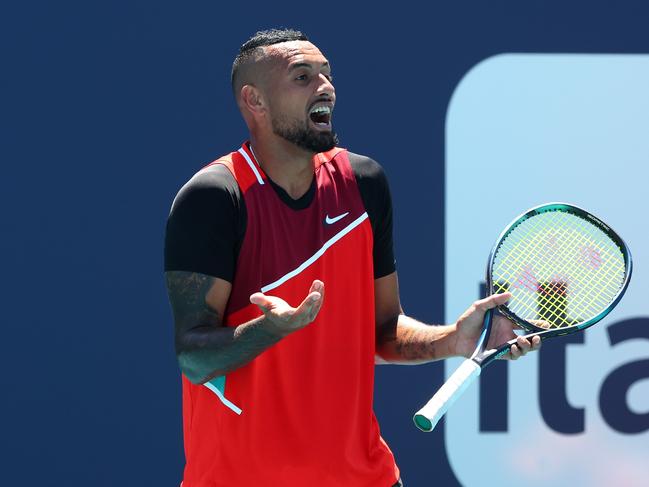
<point>190,369</point>
<point>189,361</point>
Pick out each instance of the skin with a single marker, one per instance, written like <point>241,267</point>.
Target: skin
<point>278,89</point>
<point>294,77</point>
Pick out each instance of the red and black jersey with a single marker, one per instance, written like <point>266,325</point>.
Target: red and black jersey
<point>301,412</point>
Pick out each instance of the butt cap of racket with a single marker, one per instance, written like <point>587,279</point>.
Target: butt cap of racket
<point>427,417</point>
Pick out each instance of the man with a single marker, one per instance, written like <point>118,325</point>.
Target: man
<point>276,395</point>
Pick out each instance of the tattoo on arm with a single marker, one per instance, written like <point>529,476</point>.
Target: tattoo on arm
<point>188,297</point>
<point>205,348</point>
<point>415,343</point>
<point>407,340</point>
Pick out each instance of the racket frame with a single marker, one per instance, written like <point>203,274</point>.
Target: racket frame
<point>483,357</point>
<point>536,330</point>
<point>467,373</point>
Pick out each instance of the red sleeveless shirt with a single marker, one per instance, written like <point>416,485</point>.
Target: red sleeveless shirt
<point>300,414</point>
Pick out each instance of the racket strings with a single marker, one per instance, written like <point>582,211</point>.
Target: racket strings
<point>560,268</point>
<point>571,243</point>
<point>551,297</point>
<point>545,307</point>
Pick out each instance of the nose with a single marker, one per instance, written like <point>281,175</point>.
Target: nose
<point>326,87</point>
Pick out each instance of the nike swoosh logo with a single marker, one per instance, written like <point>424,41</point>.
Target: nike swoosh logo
<point>331,221</point>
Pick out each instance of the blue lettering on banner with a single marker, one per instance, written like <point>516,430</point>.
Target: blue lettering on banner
<point>558,414</point>
<point>613,393</point>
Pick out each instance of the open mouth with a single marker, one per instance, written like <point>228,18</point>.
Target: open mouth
<point>320,115</point>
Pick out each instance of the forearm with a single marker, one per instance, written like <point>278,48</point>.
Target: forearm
<point>205,347</point>
<point>408,341</point>
<point>206,352</point>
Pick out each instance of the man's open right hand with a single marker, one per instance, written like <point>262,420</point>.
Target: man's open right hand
<point>281,318</point>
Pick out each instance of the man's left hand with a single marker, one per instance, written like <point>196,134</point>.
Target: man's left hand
<point>469,327</point>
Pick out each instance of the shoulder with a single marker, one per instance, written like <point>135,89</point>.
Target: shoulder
<point>205,225</point>
<point>212,183</point>
<point>372,185</point>
<point>365,167</point>
<point>370,176</point>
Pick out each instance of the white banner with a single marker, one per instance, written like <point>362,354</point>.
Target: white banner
<point>526,129</point>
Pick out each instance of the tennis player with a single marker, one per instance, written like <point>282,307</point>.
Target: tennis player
<point>281,275</point>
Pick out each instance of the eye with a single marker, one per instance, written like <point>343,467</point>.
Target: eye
<point>301,77</point>
<point>329,77</point>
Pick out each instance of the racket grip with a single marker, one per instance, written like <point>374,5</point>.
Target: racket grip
<point>427,417</point>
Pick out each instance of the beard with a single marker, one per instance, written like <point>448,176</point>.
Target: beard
<point>303,136</point>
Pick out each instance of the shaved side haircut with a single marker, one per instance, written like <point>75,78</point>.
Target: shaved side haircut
<point>251,50</point>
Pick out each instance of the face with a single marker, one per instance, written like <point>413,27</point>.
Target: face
<point>301,97</point>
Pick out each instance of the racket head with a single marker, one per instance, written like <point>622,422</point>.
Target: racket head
<point>566,269</point>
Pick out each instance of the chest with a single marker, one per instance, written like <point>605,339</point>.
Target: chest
<point>281,242</point>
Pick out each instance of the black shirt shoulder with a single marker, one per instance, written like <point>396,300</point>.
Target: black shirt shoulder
<point>375,193</point>
<point>206,225</point>
<point>208,219</point>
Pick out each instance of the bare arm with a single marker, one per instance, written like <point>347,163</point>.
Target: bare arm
<point>205,347</point>
<point>401,339</point>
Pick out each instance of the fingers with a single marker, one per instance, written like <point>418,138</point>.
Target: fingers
<point>320,287</point>
<point>317,286</point>
<point>492,301</point>
<point>311,305</point>
<point>308,309</point>
<point>283,318</point>
<point>541,323</point>
<point>522,346</point>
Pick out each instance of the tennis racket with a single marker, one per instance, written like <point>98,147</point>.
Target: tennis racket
<point>565,269</point>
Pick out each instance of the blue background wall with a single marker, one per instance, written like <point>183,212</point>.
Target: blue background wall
<point>107,108</point>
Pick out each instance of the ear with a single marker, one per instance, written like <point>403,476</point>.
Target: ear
<point>252,99</point>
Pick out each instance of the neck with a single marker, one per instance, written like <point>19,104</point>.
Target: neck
<point>289,166</point>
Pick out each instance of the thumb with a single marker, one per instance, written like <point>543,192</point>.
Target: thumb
<point>261,301</point>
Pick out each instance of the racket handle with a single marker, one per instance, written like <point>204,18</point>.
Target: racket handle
<point>427,417</point>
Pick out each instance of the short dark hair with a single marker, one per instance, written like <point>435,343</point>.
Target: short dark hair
<point>261,39</point>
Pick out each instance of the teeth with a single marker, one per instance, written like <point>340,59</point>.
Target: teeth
<point>321,110</point>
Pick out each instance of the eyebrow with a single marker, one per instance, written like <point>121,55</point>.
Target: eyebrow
<point>307,65</point>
